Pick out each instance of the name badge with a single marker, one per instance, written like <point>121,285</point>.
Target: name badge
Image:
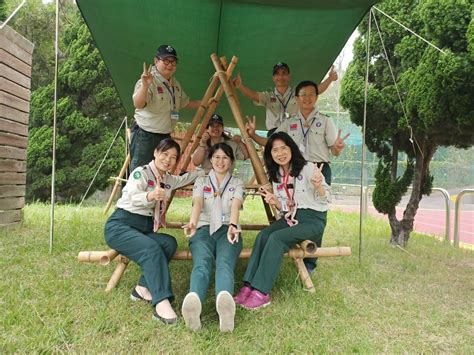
<point>302,148</point>
<point>174,115</point>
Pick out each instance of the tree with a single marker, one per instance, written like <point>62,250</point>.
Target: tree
<point>88,113</point>
<point>437,90</point>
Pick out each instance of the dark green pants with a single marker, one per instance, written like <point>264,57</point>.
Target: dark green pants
<point>275,240</point>
<point>132,235</point>
<point>142,146</point>
<point>207,250</point>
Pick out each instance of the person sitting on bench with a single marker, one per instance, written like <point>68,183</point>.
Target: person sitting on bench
<point>302,196</point>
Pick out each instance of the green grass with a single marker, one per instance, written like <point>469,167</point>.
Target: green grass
<point>394,302</point>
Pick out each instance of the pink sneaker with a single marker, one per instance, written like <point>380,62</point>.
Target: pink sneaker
<point>244,293</point>
<point>256,300</point>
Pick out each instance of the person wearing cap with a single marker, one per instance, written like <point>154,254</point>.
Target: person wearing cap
<point>215,134</point>
<point>314,133</point>
<point>158,98</point>
<point>280,103</point>
<point>214,230</point>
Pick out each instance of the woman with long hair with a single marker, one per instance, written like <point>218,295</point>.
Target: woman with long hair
<point>301,194</point>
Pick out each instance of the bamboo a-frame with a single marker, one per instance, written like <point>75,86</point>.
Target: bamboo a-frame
<point>207,108</point>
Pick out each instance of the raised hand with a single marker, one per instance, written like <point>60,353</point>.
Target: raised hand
<point>147,78</point>
<point>269,197</point>
<point>251,125</point>
<point>333,73</point>
<point>158,194</point>
<point>340,143</point>
<point>233,234</point>
<point>189,229</point>
<point>205,137</point>
<point>317,178</point>
<point>237,81</point>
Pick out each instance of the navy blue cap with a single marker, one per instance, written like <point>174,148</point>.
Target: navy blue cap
<point>215,118</point>
<point>280,65</point>
<point>165,51</point>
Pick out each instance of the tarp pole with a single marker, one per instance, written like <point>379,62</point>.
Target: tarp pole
<point>53,163</point>
<point>362,164</point>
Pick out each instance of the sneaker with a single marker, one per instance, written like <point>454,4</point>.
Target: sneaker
<point>244,293</point>
<point>256,300</point>
<point>225,307</point>
<point>191,311</point>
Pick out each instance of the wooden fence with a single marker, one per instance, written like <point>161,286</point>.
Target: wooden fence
<point>15,74</point>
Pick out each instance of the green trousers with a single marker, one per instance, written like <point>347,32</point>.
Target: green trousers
<point>132,235</point>
<point>275,240</point>
<point>142,146</point>
<point>208,250</point>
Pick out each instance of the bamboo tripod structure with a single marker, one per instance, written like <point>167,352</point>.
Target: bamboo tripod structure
<point>209,103</point>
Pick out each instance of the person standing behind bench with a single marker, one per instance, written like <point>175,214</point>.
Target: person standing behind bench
<point>158,97</point>
<point>214,230</point>
<point>302,196</point>
<point>132,229</point>
<point>280,103</point>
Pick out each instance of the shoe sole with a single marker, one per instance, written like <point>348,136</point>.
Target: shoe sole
<point>167,321</point>
<point>225,307</point>
<point>191,311</point>
<point>254,308</point>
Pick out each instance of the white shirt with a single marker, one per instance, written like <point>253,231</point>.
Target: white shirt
<point>276,105</point>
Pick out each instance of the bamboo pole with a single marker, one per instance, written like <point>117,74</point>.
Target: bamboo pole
<point>118,272</point>
<point>101,257</point>
<point>304,275</point>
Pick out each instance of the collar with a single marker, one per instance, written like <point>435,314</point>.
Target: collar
<point>314,113</point>
<point>156,74</point>
<point>287,93</point>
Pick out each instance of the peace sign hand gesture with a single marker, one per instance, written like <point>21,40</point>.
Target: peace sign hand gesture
<point>269,197</point>
<point>147,78</point>
<point>251,125</point>
<point>317,178</point>
<point>340,143</point>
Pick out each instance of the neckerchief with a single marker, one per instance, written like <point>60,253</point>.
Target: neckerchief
<point>291,204</point>
<point>159,215</point>
<point>216,215</point>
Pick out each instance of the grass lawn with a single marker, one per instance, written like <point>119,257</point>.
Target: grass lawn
<point>395,301</point>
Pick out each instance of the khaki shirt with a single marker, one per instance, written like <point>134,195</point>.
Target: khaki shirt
<point>236,149</point>
<point>305,195</point>
<point>142,180</point>
<point>320,137</point>
<point>203,189</point>
<point>156,117</point>
<point>275,104</point>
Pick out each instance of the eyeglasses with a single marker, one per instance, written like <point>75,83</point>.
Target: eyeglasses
<point>307,95</point>
<point>173,62</point>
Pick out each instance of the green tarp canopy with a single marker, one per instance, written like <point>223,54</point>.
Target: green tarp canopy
<point>308,35</point>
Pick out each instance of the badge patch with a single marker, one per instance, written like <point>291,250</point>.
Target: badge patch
<point>231,189</point>
<point>137,175</point>
<point>293,126</point>
<point>300,177</point>
<point>151,183</point>
<point>159,89</point>
<point>280,187</point>
<point>318,124</point>
<point>167,186</point>
<point>207,189</point>
<point>273,99</point>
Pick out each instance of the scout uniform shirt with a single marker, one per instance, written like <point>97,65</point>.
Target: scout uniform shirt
<point>236,149</point>
<point>276,105</point>
<point>164,100</point>
<point>304,193</point>
<point>203,188</point>
<point>314,141</point>
<point>142,180</point>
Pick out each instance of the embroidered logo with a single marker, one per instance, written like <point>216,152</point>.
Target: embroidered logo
<point>273,99</point>
<point>159,89</point>
<point>293,126</point>
<point>300,177</point>
<point>167,186</point>
<point>137,175</point>
<point>231,189</point>
<point>151,183</point>
<point>207,189</point>
<point>280,187</point>
<point>169,49</point>
<point>318,124</point>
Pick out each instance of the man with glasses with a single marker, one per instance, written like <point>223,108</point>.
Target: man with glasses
<point>158,98</point>
<point>280,103</point>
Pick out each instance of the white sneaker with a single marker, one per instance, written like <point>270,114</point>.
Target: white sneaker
<point>225,307</point>
<point>191,311</point>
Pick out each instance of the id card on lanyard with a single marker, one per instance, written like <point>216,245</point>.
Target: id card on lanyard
<point>174,111</point>
<point>284,105</point>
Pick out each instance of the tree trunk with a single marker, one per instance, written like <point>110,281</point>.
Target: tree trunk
<point>401,229</point>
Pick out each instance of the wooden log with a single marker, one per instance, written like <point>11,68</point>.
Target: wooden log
<point>13,101</point>
<point>304,275</point>
<point>12,165</point>
<point>118,272</point>
<point>14,89</point>
<point>12,191</point>
<point>12,153</point>
<point>12,203</point>
<point>13,127</point>
<point>117,183</point>
<point>13,140</point>
<point>14,62</point>
<point>13,114</point>
<point>12,178</point>
<point>9,217</point>
<point>101,257</point>
<point>15,76</point>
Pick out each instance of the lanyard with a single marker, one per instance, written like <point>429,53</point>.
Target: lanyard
<point>286,177</point>
<point>305,133</point>
<point>216,190</point>
<point>285,105</point>
<point>172,95</point>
